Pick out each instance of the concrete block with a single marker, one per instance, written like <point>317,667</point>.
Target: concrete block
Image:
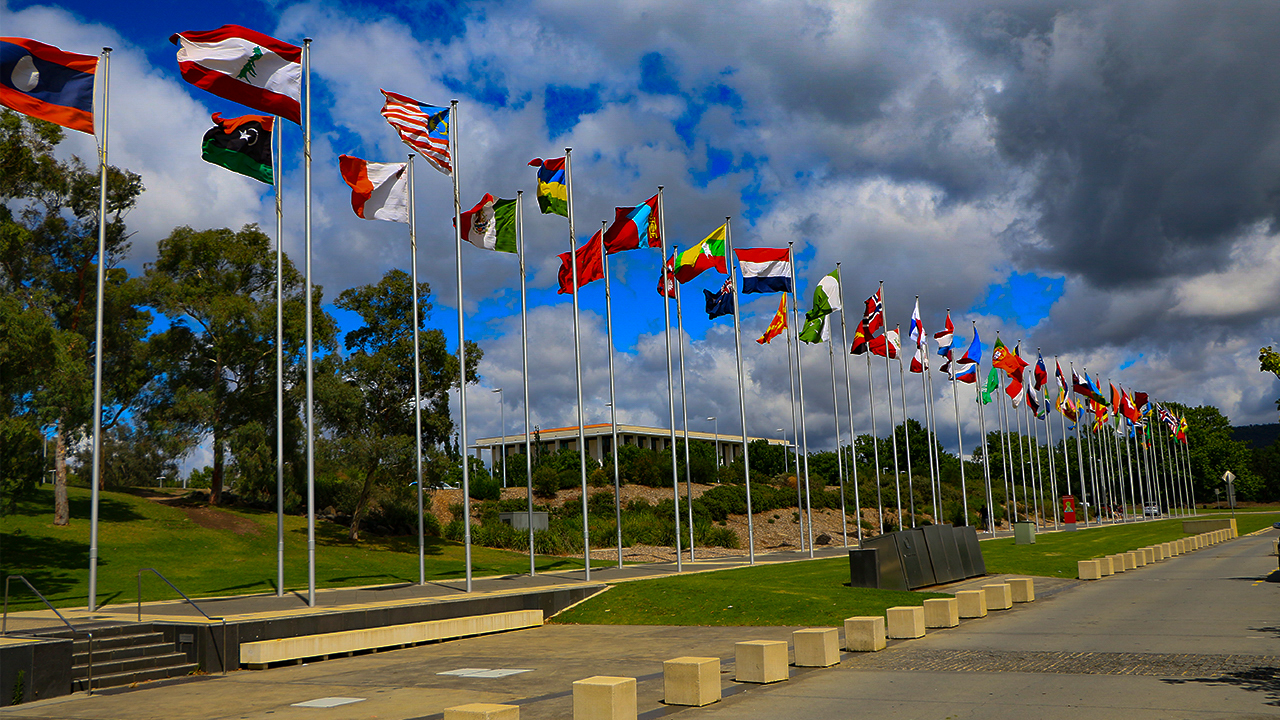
<point>604,697</point>
<point>973,603</point>
<point>941,612</point>
<point>761,661</point>
<point>816,647</point>
<point>1167,549</point>
<point>1105,566</point>
<point>1117,564</point>
<point>864,633</point>
<point>1149,555</point>
<point>1022,589</point>
<point>905,622</point>
<point>999,596</point>
<point>1089,569</point>
<point>1158,549</point>
<point>1198,526</point>
<point>1130,560</point>
<point>691,681</point>
<point>482,711</point>
<point>1139,557</point>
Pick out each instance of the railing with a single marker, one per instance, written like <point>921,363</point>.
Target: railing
<point>223,653</point>
<point>4,621</point>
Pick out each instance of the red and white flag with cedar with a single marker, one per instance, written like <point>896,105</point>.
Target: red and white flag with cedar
<point>244,66</point>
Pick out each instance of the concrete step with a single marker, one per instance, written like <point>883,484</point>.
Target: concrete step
<point>114,667</point>
<point>101,655</point>
<point>111,642</point>
<point>128,678</point>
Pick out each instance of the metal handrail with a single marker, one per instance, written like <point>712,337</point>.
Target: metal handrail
<point>4,620</point>
<point>192,603</point>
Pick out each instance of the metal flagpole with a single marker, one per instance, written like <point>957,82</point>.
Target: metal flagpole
<point>1022,458</point>
<point>835,411</point>
<point>795,427</point>
<point>577,358</point>
<point>986,454</point>
<point>804,431</point>
<point>906,435</point>
<point>417,377</point>
<point>1010,488</point>
<point>955,399</point>
<point>671,393</point>
<point>848,394</point>
<point>613,396</point>
<point>1191,488</point>
<point>1079,449</point>
<point>524,371</point>
<point>278,170</point>
<point>462,337</point>
<point>1038,467</point>
<point>1053,470</point>
<point>1130,432</point>
<point>684,407</point>
<point>888,385</point>
<point>97,333</point>
<point>875,443</point>
<point>923,348</point>
<point>742,391</point>
<point>306,230</point>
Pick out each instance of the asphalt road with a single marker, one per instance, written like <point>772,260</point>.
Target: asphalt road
<point>1197,636</point>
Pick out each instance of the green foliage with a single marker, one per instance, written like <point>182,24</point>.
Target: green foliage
<point>485,488</point>
<point>21,464</point>
<point>19,688</point>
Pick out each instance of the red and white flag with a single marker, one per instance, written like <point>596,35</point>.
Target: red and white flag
<point>424,128</point>
<point>379,191</point>
<point>244,66</point>
<point>919,361</point>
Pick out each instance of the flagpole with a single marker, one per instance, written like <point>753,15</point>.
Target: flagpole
<point>613,396</point>
<point>955,399</point>
<point>1129,436</point>
<point>524,371</point>
<point>875,440</point>
<point>97,332</point>
<point>1038,467</point>
<point>906,434</point>
<point>730,265</point>
<point>577,361</point>
<point>1079,448</point>
<point>922,347</point>
<point>804,431</point>
<point>684,410</point>
<point>986,454</point>
<point>417,376</point>
<point>1053,470</point>
<point>306,230</point>
<point>1006,462</point>
<point>1022,458</point>
<point>853,437</point>
<point>277,167</point>
<point>888,386</point>
<point>671,393</point>
<point>835,411</point>
<point>795,428</point>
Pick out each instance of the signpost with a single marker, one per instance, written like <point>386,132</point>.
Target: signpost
<point>1230,479</point>
<point>1069,512</point>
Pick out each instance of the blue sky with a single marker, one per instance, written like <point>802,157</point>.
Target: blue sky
<point>904,144</point>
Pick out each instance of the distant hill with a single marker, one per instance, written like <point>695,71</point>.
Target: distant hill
<point>1258,436</point>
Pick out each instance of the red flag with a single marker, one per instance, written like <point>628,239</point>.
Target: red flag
<point>873,317</point>
<point>918,361</point>
<point>1014,388</point>
<point>670,280</point>
<point>631,225</point>
<point>589,262</point>
<point>779,322</point>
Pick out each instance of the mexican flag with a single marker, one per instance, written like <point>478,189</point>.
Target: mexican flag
<point>491,224</point>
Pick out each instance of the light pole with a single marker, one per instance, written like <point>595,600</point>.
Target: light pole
<point>713,419</point>
<point>161,481</point>
<point>785,444</point>
<point>502,413</point>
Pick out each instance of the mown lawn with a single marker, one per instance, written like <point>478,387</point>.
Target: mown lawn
<point>134,533</point>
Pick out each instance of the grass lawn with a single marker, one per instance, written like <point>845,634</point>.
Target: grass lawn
<point>134,533</point>
<point>813,592</point>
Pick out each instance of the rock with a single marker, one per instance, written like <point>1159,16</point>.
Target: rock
<point>823,539</point>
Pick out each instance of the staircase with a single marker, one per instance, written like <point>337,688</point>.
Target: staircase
<point>124,655</point>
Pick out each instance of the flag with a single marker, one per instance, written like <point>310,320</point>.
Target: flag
<point>625,232</point>
<point>590,265</point>
<point>1085,387</point>
<point>720,303</point>
<point>244,66</point>
<point>1139,400</point>
<point>1182,428</point>
<point>491,224</point>
<point>916,331</point>
<point>1065,406</point>
<point>1041,373</point>
<point>973,355</point>
<point>1062,380</point>
<point>873,314</point>
<point>424,128</point>
<point>704,256</point>
<point>946,337</point>
<point>968,375</point>
<point>241,145</point>
<point>1127,408</point>
<point>861,340</point>
<point>553,193</point>
<point>1006,360</point>
<point>1115,397</point>
<point>44,82</point>
<point>778,324</point>
<point>765,270</point>
<point>668,279</point>
<point>993,383</point>
<point>826,300</point>
<point>1014,388</point>
<point>889,338</point>
<point>1033,402</point>
<point>919,361</point>
<point>379,191</point>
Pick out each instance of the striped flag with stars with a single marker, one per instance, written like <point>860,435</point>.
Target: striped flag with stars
<point>424,128</point>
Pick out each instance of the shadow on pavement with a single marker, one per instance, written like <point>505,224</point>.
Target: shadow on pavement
<point>1265,679</point>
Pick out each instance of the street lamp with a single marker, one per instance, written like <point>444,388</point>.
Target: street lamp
<point>502,413</point>
<point>713,419</point>
<point>785,444</point>
<point>161,481</point>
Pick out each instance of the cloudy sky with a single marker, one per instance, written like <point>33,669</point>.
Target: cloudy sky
<point>1098,179</point>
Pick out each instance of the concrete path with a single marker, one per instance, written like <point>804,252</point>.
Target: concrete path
<point>1194,636</point>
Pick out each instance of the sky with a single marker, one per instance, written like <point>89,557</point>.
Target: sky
<point>1100,180</point>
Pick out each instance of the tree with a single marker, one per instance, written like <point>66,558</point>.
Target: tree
<point>1213,452</point>
<point>369,405</point>
<point>1270,361</point>
<point>217,289</point>
<point>48,268</point>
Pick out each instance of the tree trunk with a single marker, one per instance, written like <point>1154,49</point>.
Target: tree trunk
<point>61,510</point>
<point>362,502</point>
<point>215,484</point>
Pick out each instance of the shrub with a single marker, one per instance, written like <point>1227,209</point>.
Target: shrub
<point>546,482</point>
<point>484,488</point>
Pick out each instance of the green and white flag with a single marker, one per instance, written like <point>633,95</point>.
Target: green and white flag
<point>826,300</point>
<point>491,224</point>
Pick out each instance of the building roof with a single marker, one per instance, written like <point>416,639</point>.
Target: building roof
<point>599,429</point>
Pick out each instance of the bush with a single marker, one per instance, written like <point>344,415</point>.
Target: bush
<point>546,483</point>
<point>484,488</point>
<point>720,537</point>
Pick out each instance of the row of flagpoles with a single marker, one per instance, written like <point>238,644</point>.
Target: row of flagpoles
<point>271,76</point>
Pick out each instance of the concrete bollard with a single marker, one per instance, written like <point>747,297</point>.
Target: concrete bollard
<point>999,596</point>
<point>1149,555</point>
<point>691,681</point>
<point>864,633</point>
<point>604,697</point>
<point>1022,589</point>
<point>905,622</point>
<point>1139,558</point>
<point>1167,549</point>
<point>816,647</point>
<point>1130,560</point>
<point>1118,564</point>
<point>973,603</point>
<point>482,711</point>
<point>1105,566</point>
<point>760,661</point>
<point>1089,570</point>
<point>1158,549</point>
<point>942,612</point>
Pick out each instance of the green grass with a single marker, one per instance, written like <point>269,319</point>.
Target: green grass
<point>1056,554</point>
<point>813,593</point>
<point>134,533</point>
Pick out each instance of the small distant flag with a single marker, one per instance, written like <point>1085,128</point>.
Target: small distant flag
<point>968,375</point>
<point>1041,373</point>
<point>973,355</point>
<point>778,324</point>
<point>946,337</point>
<point>993,384</point>
<point>873,314</point>
<point>553,193</point>
<point>667,280</point>
<point>46,83</point>
<point>765,270</point>
<point>244,66</point>
<point>720,303</point>
<point>424,128</point>
<point>1007,360</point>
<point>919,361</point>
<point>379,191</point>
<point>241,145</point>
<point>890,340</point>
